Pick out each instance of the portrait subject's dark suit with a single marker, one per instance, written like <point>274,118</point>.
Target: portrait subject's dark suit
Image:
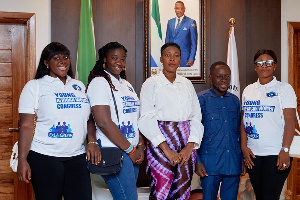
<point>186,37</point>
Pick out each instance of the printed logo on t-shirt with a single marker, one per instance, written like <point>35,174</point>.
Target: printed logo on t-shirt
<point>60,131</point>
<point>127,130</point>
<point>69,101</point>
<point>130,88</point>
<point>271,94</point>
<point>251,131</point>
<point>253,109</point>
<point>76,87</point>
<point>130,105</point>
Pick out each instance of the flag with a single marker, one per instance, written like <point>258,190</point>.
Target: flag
<point>86,54</point>
<point>232,61</point>
<point>155,34</point>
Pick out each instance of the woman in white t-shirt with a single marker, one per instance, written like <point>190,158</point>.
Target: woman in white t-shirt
<point>267,129</point>
<point>55,159</point>
<point>115,107</point>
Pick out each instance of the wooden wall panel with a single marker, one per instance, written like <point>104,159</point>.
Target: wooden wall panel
<point>5,55</point>
<point>5,69</point>
<point>5,33</point>
<point>65,18</point>
<point>263,31</point>
<point>217,27</point>
<point>115,21</point>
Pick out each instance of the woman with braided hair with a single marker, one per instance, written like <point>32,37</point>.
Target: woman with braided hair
<point>116,122</point>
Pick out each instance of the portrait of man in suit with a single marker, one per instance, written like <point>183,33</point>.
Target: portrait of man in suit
<point>183,31</point>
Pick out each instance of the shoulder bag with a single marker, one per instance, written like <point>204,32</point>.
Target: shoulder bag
<point>111,157</point>
<point>14,155</point>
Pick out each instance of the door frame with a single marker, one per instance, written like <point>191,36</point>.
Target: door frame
<point>29,20</point>
<point>22,190</point>
<point>292,67</point>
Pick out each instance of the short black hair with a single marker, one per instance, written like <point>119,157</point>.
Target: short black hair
<point>52,49</point>
<point>265,51</point>
<point>180,2</point>
<point>215,64</point>
<point>169,44</point>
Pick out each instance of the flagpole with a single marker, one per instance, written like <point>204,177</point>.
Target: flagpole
<point>232,61</point>
<point>232,23</point>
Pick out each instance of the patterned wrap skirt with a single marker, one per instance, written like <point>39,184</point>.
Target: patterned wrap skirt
<point>168,181</point>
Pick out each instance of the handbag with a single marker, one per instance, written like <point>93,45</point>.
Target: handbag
<point>111,157</point>
<point>111,162</point>
<point>14,155</point>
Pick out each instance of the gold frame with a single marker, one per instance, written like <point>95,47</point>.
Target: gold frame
<point>201,37</point>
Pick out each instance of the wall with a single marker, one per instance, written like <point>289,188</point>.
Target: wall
<point>42,8</point>
<point>124,24</point>
<point>43,13</point>
<point>289,13</point>
<point>117,24</point>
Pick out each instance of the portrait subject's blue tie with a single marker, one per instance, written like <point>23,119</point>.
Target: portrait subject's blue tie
<point>177,25</point>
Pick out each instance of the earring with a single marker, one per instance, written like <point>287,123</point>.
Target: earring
<point>104,67</point>
<point>124,68</point>
<point>274,69</point>
<point>47,66</point>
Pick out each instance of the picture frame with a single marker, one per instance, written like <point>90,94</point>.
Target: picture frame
<point>155,34</point>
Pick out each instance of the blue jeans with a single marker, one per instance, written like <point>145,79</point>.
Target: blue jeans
<point>123,184</point>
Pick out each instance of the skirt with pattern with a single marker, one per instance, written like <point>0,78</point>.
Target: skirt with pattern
<point>168,181</point>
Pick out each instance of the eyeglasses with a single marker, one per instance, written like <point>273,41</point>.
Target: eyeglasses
<point>260,63</point>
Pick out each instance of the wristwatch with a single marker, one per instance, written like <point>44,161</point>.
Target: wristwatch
<point>285,149</point>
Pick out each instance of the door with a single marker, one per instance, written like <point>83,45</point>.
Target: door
<point>294,80</point>
<point>14,73</point>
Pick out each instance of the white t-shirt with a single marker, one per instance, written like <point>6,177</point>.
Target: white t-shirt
<point>162,100</point>
<point>63,112</point>
<point>263,115</point>
<point>128,106</point>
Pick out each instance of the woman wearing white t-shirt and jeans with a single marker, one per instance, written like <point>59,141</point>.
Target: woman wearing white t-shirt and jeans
<point>55,159</point>
<point>267,129</point>
<point>109,74</point>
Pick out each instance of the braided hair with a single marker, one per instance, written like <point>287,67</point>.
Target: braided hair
<point>98,70</point>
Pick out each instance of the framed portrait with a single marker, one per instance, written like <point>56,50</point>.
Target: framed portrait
<point>163,23</point>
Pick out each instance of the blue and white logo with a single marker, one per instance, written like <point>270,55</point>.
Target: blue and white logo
<point>127,130</point>
<point>60,131</point>
<point>76,87</point>
<point>251,131</point>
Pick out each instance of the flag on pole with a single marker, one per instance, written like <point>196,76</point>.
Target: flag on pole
<point>155,34</point>
<point>232,61</point>
<point>86,54</point>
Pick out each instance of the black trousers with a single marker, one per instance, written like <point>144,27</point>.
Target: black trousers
<point>266,179</point>
<point>54,177</point>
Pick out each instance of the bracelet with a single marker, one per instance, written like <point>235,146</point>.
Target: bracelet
<point>93,143</point>
<point>129,149</point>
<point>132,151</point>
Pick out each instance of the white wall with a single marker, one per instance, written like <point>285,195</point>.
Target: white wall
<point>289,13</point>
<point>42,9</point>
